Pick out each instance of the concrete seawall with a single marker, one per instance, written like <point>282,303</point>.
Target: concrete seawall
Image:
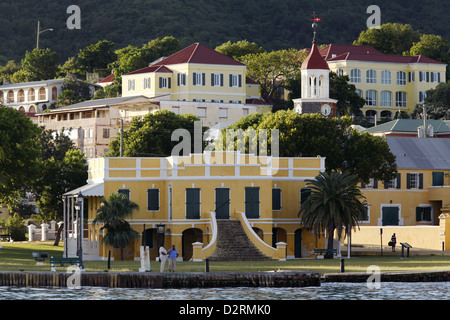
<point>161,280</point>
<point>419,276</point>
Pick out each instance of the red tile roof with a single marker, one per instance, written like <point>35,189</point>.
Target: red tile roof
<point>198,53</point>
<point>314,60</point>
<point>338,52</point>
<point>109,78</point>
<point>152,68</point>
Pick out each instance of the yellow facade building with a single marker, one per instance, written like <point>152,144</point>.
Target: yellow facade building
<point>415,205</point>
<point>184,201</point>
<point>388,83</point>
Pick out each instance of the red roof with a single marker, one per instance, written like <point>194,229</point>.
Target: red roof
<point>152,68</point>
<point>109,78</point>
<point>314,60</point>
<point>337,52</point>
<point>198,53</point>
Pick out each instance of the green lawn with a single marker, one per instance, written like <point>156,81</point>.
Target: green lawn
<point>18,256</point>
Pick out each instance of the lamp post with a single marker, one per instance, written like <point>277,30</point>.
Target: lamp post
<point>39,32</point>
<point>160,229</point>
<point>79,207</point>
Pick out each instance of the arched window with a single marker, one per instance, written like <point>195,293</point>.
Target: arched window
<point>400,99</point>
<point>386,99</point>
<point>385,77</point>
<point>10,97</point>
<point>21,96</point>
<point>401,78</point>
<point>32,109</point>
<point>371,98</point>
<point>371,76</point>
<point>31,95</point>
<point>54,93</point>
<point>21,109</point>
<point>41,94</point>
<point>355,75</point>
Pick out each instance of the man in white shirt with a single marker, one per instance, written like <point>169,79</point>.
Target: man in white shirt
<point>162,257</point>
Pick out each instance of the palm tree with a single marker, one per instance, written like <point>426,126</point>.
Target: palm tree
<point>112,214</point>
<point>335,202</point>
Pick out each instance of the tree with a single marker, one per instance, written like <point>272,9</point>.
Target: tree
<point>239,49</point>
<point>349,102</point>
<point>112,214</point>
<point>40,64</point>
<point>390,38</point>
<point>62,168</point>
<point>335,202</point>
<point>73,91</point>
<point>312,135</point>
<point>434,47</point>
<point>271,70</point>
<point>151,136</point>
<point>19,155</point>
<point>96,56</point>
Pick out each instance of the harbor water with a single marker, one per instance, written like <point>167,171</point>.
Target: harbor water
<point>327,291</point>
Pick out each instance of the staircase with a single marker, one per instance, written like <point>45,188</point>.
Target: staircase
<point>233,244</point>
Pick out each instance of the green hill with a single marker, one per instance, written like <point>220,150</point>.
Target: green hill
<point>272,24</point>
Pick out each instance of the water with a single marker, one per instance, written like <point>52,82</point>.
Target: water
<point>327,291</point>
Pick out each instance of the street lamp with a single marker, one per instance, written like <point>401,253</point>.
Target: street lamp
<point>79,207</point>
<point>39,32</point>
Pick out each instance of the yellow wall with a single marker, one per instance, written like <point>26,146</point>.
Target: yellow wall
<point>196,172</point>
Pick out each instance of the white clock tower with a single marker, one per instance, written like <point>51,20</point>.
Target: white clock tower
<point>315,78</point>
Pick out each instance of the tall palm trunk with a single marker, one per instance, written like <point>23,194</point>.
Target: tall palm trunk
<point>330,235</point>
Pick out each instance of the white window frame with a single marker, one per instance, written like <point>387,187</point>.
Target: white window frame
<point>367,206</point>
<point>386,77</point>
<point>131,85</point>
<point>371,76</point>
<point>164,83</point>
<point>386,98</point>
<point>401,78</point>
<point>147,83</point>
<point>217,79</point>
<point>401,99</point>
<point>223,113</point>
<point>234,80</point>
<point>198,78</point>
<point>414,180</point>
<point>201,112</point>
<point>176,109</point>
<point>355,75</point>
<point>371,101</point>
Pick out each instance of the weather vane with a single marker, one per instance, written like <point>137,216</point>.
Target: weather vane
<point>315,19</point>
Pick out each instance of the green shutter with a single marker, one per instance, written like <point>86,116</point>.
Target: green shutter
<point>252,202</point>
<point>221,79</point>
<point>170,82</point>
<point>193,203</point>
<point>420,180</point>
<point>438,178</point>
<point>203,79</point>
<point>240,80</point>
<point>427,213</point>
<point>418,213</point>
<point>276,199</point>
<point>399,180</point>
<point>153,199</point>
<point>408,180</point>
<point>195,78</point>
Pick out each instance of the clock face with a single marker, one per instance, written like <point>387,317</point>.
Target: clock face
<point>325,110</point>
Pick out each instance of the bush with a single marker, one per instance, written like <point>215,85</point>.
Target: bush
<point>16,227</point>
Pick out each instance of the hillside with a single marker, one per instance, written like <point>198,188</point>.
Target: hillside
<point>272,24</point>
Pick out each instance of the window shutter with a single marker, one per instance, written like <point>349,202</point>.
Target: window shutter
<point>231,80</point>
<point>212,79</point>
<point>418,213</point>
<point>408,181</point>
<point>153,199</point>
<point>428,76</point>
<point>221,79</point>
<point>399,180</point>
<point>178,79</point>
<point>420,180</point>
<point>195,78</point>
<point>420,76</point>
<point>252,202</point>
<point>125,192</point>
<point>427,213</point>
<point>438,178</point>
<point>192,203</point>
<point>203,79</point>
<point>160,82</point>
<point>240,81</point>
<point>375,184</point>
<point>439,77</point>
<point>276,199</point>
<point>169,82</point>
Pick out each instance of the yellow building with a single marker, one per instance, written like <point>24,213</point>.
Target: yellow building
<point>190,198</point>
<point>415,205</point>
<point>389,83</point>
<point>196,80</point>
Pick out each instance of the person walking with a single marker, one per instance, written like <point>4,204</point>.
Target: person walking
<point>162,257</point>
<point>173,254</point>
<point>393,242</point>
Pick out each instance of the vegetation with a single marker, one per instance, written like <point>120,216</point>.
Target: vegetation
<point>335,203</point>
<point>112,214</point>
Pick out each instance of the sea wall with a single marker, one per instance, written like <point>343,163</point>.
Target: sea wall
<point>419,276</point>
<point>159,280</point>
